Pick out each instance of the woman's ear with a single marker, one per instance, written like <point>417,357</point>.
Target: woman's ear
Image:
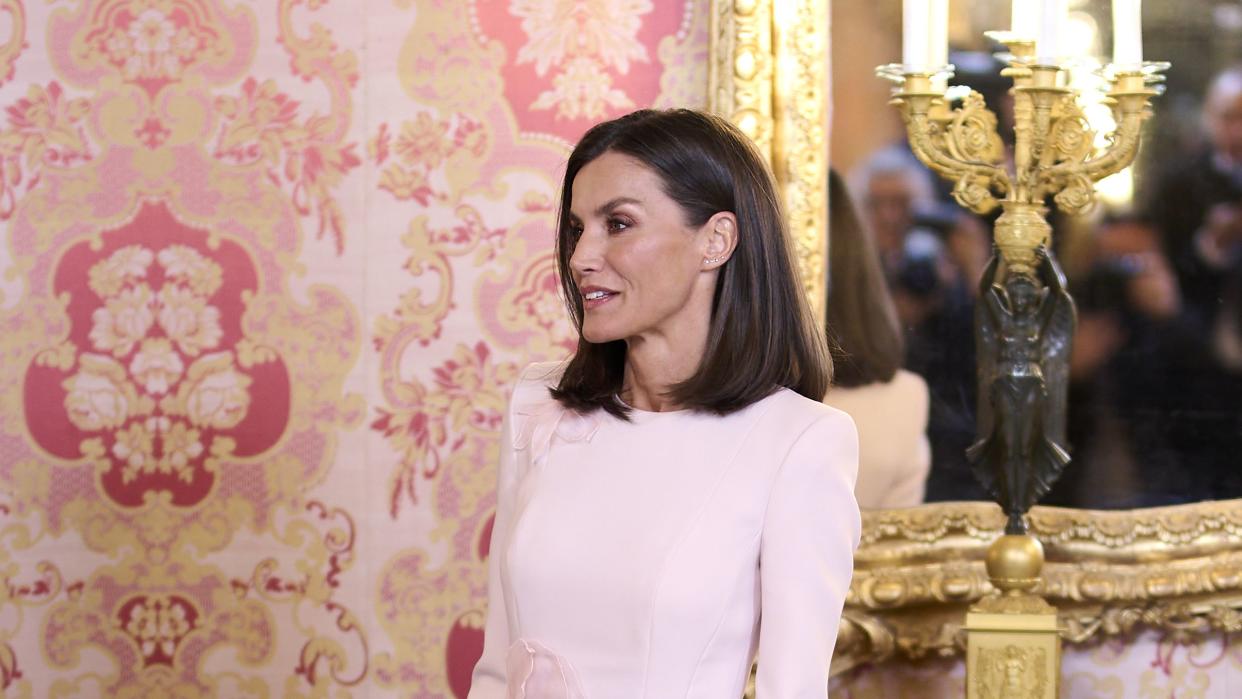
<point>720,240</point>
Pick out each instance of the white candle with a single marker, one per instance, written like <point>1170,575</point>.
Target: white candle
<point>1052,18</point>
<point>1024,18</point>
<point>938,35</point>
<point>916,16</point>
<point>1128,32</point>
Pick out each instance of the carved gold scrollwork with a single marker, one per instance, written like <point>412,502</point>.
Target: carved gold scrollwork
<point>918,570</point>
<point>972,192</point>
<point>1073,144</point>
<point>1077,195</point>
<point>972,135</point>
<point>756,44</point>
<point>1071,138</point>
<point>975,180</point>
<point>740,75</point>
<point>800,150</point>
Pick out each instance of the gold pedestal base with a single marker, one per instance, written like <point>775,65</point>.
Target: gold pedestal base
<point>1012,654</point>
<point>1013,646</point>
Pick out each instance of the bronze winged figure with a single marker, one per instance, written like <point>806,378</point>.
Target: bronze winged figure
<point>1023,332</point>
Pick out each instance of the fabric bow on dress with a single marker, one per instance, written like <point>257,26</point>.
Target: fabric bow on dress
<point>537,673</point>
<point>546,418</point>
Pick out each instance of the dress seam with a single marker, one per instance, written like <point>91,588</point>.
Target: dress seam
<point>776,476</point>
<point>698,663</point>
<point>689,528</point>
<point>526,382</point>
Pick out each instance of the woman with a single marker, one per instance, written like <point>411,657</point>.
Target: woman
<point>888,404</point>
<point>677,479</point>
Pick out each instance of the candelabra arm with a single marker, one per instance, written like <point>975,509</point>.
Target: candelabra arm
<point>1073,174</point>
<point>974,180</point>
<point>1073,181</point>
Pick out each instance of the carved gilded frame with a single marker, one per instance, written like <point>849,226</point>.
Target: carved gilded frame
<point>1107,572</point>
<point>918,570</point>
<point>768,75</point>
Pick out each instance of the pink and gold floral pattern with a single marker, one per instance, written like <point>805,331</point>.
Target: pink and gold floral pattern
<point>153,394</point>
<point>268,273</point>
<point>494,91</point>
<point>164,532</point>
<point>259,317</point>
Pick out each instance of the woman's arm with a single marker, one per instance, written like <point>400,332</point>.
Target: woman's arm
<point>489,680</point>
<point>806,560</point>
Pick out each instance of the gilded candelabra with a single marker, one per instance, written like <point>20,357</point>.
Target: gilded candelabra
<point>1024,318</point>
<point>1054,145</point>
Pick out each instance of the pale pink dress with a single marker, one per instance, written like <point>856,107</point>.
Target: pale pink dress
<point>653,558</point>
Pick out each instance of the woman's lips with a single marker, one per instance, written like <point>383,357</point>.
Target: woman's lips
<point>596,297</point>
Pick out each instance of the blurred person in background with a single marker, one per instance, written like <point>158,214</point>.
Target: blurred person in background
<point>932,252</point>
<point>889,404</point>
<point>1127,418</point>
<point>1196,208</point>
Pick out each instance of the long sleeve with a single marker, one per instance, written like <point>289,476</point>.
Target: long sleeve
<point>811,528</point>
<point>489,678</point>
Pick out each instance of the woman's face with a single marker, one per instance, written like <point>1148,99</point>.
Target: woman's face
<point>639,268</point>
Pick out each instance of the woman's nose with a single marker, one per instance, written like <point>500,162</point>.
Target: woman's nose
<point>588,254</point>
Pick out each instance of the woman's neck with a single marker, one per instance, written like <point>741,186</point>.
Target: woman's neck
<point>652,367</point>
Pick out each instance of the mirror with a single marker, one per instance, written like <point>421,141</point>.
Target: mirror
<point>1155,414</point>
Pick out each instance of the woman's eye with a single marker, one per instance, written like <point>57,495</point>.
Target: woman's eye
<point>617,225</point>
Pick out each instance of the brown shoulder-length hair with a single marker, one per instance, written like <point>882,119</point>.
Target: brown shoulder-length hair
<point>862,322</point>
<point>762,334</point>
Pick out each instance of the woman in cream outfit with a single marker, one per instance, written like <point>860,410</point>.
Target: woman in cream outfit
<point>889,404</point>
<point>674,498</point>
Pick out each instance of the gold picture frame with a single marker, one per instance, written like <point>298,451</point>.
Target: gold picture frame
<point>918,570</point>
<point>767,74</point>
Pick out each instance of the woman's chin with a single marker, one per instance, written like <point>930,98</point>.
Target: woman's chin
<point>598,336</point>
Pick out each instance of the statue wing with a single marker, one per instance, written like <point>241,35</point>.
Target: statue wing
<point>1055,347</point>
<point>987,345</point>
<point>1052,453</point>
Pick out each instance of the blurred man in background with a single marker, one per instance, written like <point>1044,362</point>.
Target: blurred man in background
<point>1196,208</point>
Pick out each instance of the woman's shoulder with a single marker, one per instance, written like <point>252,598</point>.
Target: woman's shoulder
<point>534,382</point>
<point>543,373</point>
<point>536,416</point>
<point>905,388</point>
<point>908,382</point>
<point>790,408</point>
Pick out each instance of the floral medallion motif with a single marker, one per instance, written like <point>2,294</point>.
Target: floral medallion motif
<point>156,388</point>
<point>154,196</point>
<point>153,42</point>
<point>573,63</point>
<point>157,624</point>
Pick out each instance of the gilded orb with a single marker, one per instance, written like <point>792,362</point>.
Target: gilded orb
<point>1014,563</point>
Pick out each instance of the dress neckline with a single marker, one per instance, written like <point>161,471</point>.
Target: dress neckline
<point>638,414</point>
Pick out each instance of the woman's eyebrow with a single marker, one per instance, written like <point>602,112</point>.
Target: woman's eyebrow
<point>614,203</point>
<point>608,206</point>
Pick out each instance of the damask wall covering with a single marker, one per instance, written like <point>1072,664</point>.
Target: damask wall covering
<point>268,269</point>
